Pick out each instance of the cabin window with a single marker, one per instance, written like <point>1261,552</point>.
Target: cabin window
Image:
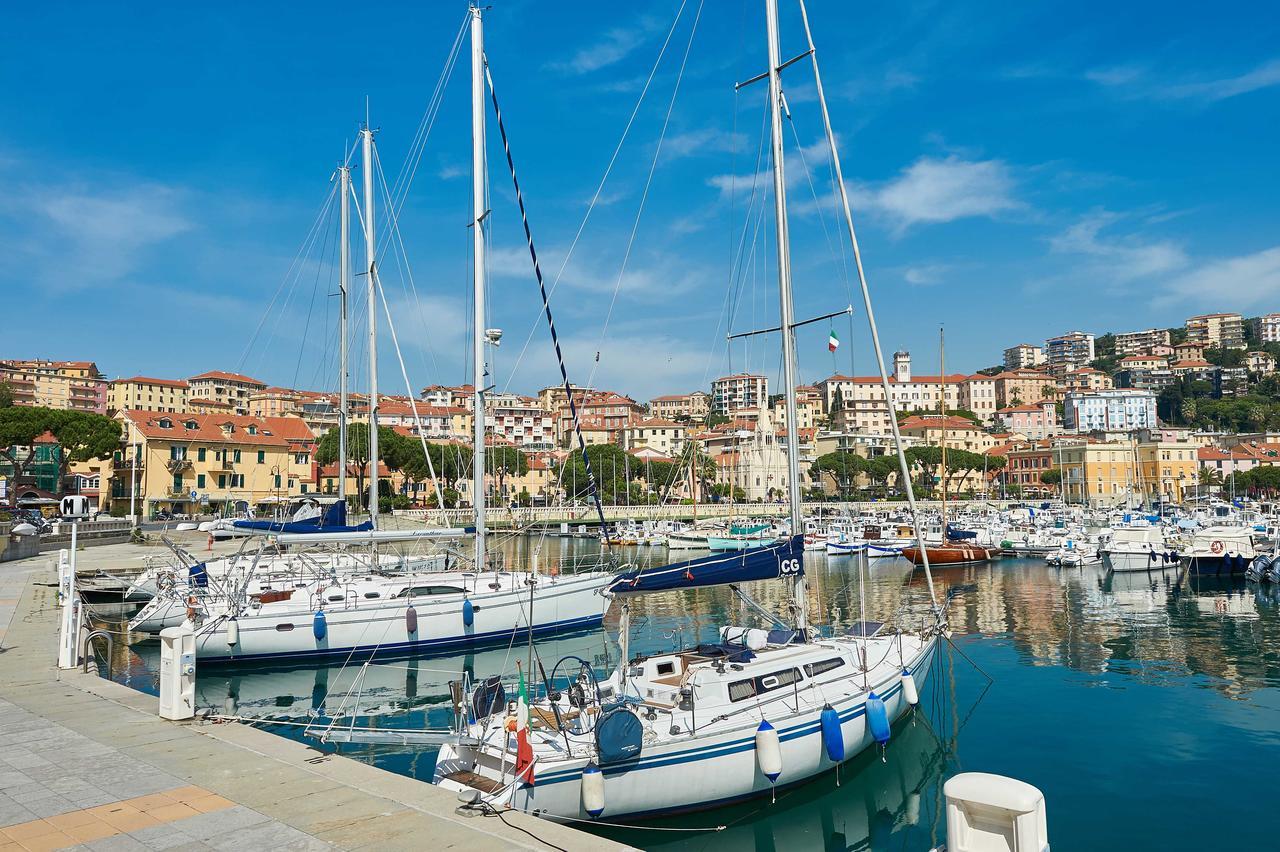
<point>335,597</point>
<point>742,689</point>
<point>372,595</point>
<point>284,628</point>
<point>666,668</point>
<point>815,669</point>
<point>421,591</point>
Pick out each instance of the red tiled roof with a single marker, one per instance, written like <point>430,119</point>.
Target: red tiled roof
<point>203,402</point>
<point>222,375</point>
<point>209,428</point>
<point>934,421</point>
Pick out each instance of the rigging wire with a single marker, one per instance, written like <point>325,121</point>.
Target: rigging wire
<point>648,183</point>
<point>626,130</point>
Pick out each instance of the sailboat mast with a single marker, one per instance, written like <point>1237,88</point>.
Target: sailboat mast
<point>344,286</point>
<point>942,409</point>
<point>787,322</point>
<point>371,255</point>
<point>478,211</point>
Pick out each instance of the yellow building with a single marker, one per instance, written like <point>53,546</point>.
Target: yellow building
<point>1166,469</point>
<point>75,385</point>
<point>1096,473</point>
<point>192,463</point>
<point>231,389</point>
<point>141,393</point>
<point>274,402</point>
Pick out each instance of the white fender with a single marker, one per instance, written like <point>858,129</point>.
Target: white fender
<point>233,631</point>
<point>768,751</point>
<point>909,690</point>
<point>592,790</point>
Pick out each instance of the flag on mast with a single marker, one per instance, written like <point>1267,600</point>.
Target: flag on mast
<point>524,751</point>
<point>833,342</point>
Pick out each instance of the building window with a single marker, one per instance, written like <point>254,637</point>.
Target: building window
<point>222,481</point>
<point>235,456</point>
<point>200,454</point>
<point>200,480</point>
<point>177,482</point>
<point>262,456</point>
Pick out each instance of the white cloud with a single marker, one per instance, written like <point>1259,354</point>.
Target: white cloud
<point>932,190</point>
<point>74,236</point>
<point>605,50</point>
<point>1138,82</point>
<point>697,142</point>
<point>1119,259</point>
<point>647,279</point>
<point>1244,281</point>
<point>451,172</point>
<point>926,275</point>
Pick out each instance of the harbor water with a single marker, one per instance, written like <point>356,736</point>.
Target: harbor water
<point>1146,707</point>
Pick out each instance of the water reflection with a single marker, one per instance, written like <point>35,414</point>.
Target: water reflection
<point>1045,634</point>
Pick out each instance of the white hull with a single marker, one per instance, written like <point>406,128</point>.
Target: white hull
<point>704,771</point>
<point>1122,561</point>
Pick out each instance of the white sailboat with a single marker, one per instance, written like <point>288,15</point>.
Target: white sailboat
<point>711,724</point>
<point>420,612</point>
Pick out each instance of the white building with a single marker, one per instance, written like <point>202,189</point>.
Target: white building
<point>1024,356</point>
<point>1269,328</point>
<point>743,390</point>
<point>1141,342</point>
<point>520,419</point>
<point>1109,410</point>
<point>1069,351</point>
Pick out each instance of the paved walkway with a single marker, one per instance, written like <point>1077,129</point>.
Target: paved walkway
<point>86,763</point>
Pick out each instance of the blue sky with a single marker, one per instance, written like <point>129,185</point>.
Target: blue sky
<point>1016,171</point>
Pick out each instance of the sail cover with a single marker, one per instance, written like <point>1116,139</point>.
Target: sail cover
<point>781,559</point>
<point>333,520</point>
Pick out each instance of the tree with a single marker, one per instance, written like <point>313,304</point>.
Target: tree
<point>6,395</point>
<point>390,447</point>
<point>1225,357</point>
<point>20,425</point>
<point>1052,477</point>
<point>504,461</point>
<point>843,467</point>
<point>1210,476</point>
<point>714,420</point>
<point>83,435</point>
<point>880,468</point>
<point>699,467</point>
<point>609,465</point>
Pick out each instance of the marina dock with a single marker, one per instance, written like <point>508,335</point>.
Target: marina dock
<point>85,762</point>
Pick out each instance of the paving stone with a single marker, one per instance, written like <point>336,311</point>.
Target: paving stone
<point>210,825</point>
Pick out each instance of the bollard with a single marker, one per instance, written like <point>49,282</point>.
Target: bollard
<point>69,627</point>
<point>178,672</point>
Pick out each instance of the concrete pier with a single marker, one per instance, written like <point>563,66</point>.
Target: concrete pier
<point>86,763</point>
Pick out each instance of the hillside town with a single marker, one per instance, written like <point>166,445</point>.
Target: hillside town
<point>1165,414</point>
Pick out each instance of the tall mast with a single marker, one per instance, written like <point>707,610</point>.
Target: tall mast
<point>371,254</point>
<point>344,286</point>
<point>799,585</point>
<point>478,213</point>
<point>942,409</point>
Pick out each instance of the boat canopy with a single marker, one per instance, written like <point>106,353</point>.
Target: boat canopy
<point>959,535</point>
<point>784,558</point>
<point>334,519</point>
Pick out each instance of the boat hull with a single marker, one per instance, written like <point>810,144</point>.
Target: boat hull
<point>1124,561</point>
<point>949,554</point>
<point>709,772</point>
<point>570,604</point>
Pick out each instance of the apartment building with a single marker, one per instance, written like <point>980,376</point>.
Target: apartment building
<point>809,408</point>
<point>737,392</point>
<point>275,402</point>
<point>1267,328</point>
<point>1024,356</point>
<point>73,385</point>
<point>232,390</point>
<point>1142,342</point>
<point>1122,410</point>
<point>654,433</point>
<point>604,410</point>
<point>1069,351</point>
<point>695,406</point>
<point>521,420</point>
<point>1260,362</point>
<point>1216,331</point>
<point>978,394</point>
<point>857,403</point>
<point>1018,387</point>
<point>1033,421</point>
<point>1114,472</point>
<point>190,463</point>
<point>142,393</point>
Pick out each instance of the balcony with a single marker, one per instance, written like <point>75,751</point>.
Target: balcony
<point>178,465</point>
<point>224,463</point>
<point>177,494</point>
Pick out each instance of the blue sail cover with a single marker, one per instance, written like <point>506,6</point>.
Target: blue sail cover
<point>334,519</point>
<point>954,534</point>
<point>781,559</point>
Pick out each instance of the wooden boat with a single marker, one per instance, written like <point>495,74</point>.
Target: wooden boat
<point>951,553</point>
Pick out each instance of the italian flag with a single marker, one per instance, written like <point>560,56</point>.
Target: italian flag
<point>833,342</point>
<point>524,751</point>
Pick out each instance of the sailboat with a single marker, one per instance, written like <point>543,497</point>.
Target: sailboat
<point>339,614</point>
<point>717,722</point>
<point>958,547</point>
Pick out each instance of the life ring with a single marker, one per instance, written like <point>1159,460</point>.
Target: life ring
<point>1216,546</point>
